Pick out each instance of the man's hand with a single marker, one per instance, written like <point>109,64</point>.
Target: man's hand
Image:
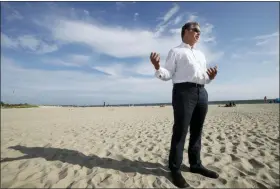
<point>155,59</point>
<point>212,72</point>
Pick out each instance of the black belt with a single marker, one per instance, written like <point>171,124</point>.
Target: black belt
<point>188,84</point>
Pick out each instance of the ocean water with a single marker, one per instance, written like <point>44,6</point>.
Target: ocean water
<point>242,101</point>
<point>258,101</point>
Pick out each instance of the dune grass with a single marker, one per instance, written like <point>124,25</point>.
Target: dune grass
<point>4,105</point>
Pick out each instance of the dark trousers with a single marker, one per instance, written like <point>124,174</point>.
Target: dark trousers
<point>190,106</point>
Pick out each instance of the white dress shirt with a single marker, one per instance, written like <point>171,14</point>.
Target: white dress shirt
<point>184,64</point>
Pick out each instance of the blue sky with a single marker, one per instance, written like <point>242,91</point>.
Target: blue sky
<point>91,52</point>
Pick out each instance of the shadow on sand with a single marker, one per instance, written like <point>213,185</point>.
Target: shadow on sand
<point>77,158</point>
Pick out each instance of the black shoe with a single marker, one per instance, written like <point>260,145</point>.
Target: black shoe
<point>178,180</point>
<point>203,171</point>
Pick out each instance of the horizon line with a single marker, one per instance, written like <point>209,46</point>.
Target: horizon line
<point>154,103</point>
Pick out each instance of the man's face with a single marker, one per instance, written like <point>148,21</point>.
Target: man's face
<point>193,33</point>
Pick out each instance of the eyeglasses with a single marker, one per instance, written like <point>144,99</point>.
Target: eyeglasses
<point>195,30</point>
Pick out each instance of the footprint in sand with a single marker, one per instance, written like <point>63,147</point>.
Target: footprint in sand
<point>257,184</point>
<point>63,173</point>
<point>262,153</point>
<point>222,180</point>
<point>76,173</point>
<point>256,163</point>
<point>274,140</point>
<point>236,171</point>
<point>245,167</point>
<point>220,138</point>
<point>58,164</point>
<point>217,159</point>
<point>249,146</point>
<point>48,184</point>
<point>257,143</point>
<point>209,149</point>
<point>273,174</point>
<point>136,150</point>
<point>234,149</point>
<point>234,157</point>
<point>223,149</point>
<point>89,171</point>
<point>209,138</point>
<point>23,165</point>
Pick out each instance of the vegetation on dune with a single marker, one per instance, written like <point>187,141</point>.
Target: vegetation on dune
<point>25,105</point>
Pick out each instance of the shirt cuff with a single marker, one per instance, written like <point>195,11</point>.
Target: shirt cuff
<point>208,80</point>
<point>158,73</point>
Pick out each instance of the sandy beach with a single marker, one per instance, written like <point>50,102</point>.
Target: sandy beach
<point>128,147</point>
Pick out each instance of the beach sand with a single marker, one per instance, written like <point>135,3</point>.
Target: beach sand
<point>129,146</point>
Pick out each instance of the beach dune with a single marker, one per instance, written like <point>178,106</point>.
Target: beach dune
<point>129,146</point>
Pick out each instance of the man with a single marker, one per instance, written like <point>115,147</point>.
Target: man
<point>186,66</point>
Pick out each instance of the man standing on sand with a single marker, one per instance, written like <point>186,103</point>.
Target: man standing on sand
<point>186,66</point>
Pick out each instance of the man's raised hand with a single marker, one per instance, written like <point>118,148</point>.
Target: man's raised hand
<point>155,59</point>
<point>212,72</point>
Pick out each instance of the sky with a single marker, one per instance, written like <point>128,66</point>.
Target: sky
<point>87,53</point>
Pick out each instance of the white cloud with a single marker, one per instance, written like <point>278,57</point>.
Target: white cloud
<point>171,12</point>
<point>267,40</point>
<point>15,15</point>
<point>144,68</point>
<point>86,12</point>
<point>125,45</point>
<point>125,69</point>
<point>79,57</point>
<point>9,13</point>
<point>8,42</point>
<point>67,86</point>
<point>74,60</point>
<point>165,19</point>
<point>192,18</point>
<point>207,34</point>
<point>262,42</point>
<point>136,15</point>
<point>74,87</point>
<point>114,70</point>
<point>178,19</point>
<point>120,5</point>
<point>27,42</point>
<point>102,38</point>
<point>175,30</point>
<point>265,45</point>
<point>267,36</point>
<point>253,88</point>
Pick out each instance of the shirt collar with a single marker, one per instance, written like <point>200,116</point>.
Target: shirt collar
<point>186,45</point>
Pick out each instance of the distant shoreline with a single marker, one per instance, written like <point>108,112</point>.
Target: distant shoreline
<point>258,101</point>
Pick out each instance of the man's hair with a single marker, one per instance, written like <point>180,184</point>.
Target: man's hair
<point>188,25</point>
